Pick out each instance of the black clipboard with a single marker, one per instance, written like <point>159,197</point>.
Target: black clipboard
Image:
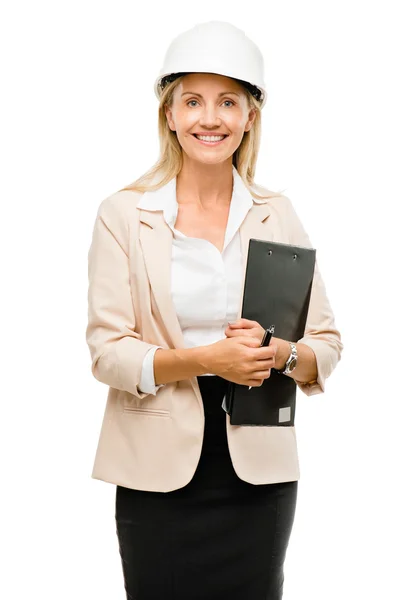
<point>277,290</point>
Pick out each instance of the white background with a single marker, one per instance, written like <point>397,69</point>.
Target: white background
<point>78,122</point>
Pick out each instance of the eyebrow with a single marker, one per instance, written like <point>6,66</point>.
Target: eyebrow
<point>200,96</point>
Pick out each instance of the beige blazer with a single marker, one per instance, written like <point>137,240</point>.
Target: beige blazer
<point>152,442</point>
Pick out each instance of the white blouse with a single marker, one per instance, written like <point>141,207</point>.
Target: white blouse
<point>205,283</point>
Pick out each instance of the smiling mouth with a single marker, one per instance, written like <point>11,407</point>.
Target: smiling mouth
<point>210,143</point>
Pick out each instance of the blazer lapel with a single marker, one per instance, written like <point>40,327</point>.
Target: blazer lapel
<point>156,243</point>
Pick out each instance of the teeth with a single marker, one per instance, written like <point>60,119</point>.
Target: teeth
<point>210,138</point>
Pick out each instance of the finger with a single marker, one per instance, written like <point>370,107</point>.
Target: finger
<point>230,330</point>
<point>257,382</point>
<point>266,351</point>
<point>238,332</point>
<point>264,374</point>
<point>241,324</point>
<point>250,340</point>
<point>266,363</point>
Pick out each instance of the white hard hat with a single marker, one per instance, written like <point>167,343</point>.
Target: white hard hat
<point>214,47</point>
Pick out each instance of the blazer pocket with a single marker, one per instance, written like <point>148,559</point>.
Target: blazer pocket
<point>152,412</point>
<point>156,406</point>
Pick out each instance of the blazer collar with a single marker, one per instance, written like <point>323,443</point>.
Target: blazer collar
<point>165,196</point>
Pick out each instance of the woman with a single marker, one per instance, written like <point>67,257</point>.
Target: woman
<point>204,509</point>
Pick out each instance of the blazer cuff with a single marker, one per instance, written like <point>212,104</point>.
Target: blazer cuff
<point>326,359</point>
<point>147,384</point>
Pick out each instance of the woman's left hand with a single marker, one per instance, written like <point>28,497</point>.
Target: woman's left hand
<point>245,327</point>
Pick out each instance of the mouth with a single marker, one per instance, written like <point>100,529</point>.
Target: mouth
<point>211,142</point>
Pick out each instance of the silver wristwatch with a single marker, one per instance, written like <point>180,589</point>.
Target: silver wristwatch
<point>291,361</point>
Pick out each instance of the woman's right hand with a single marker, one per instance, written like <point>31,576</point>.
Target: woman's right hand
<point>241,360</point>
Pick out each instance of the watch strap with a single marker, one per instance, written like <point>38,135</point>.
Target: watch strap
<point>293,354</point>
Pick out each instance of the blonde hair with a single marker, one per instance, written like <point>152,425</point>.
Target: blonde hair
<point>170,160</point>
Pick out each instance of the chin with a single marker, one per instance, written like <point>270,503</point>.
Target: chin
<point>208,157</point>
<point>211,160</point>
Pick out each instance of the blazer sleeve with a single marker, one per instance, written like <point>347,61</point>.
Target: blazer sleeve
<point>321,333</point>
<point>116,348</point>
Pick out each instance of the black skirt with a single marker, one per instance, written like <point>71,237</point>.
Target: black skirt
<point>217,538</point>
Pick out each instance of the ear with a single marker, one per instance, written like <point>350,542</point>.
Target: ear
<point>252,116</point>
<point>168,114</point>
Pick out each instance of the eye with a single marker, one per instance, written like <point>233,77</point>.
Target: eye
<point>190,101</point>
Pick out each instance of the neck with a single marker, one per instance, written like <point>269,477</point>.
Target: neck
<point>206,186</point>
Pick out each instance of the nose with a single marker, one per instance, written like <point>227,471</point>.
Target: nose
<point>210,117</point>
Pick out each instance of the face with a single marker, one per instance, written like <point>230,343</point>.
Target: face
<point>212,105</point>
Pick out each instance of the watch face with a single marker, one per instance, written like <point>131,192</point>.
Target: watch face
<point>292,363</point>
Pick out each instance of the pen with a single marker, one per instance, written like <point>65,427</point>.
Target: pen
<point>266,339</point>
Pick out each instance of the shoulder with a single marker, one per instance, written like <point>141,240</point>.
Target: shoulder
<point>120,203</point>
<point>298,234</point>
<point>279,202</point>
<point>118,209</point>
<point>276,200</point>
<point>283,208</point>
<point>115,213</point>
